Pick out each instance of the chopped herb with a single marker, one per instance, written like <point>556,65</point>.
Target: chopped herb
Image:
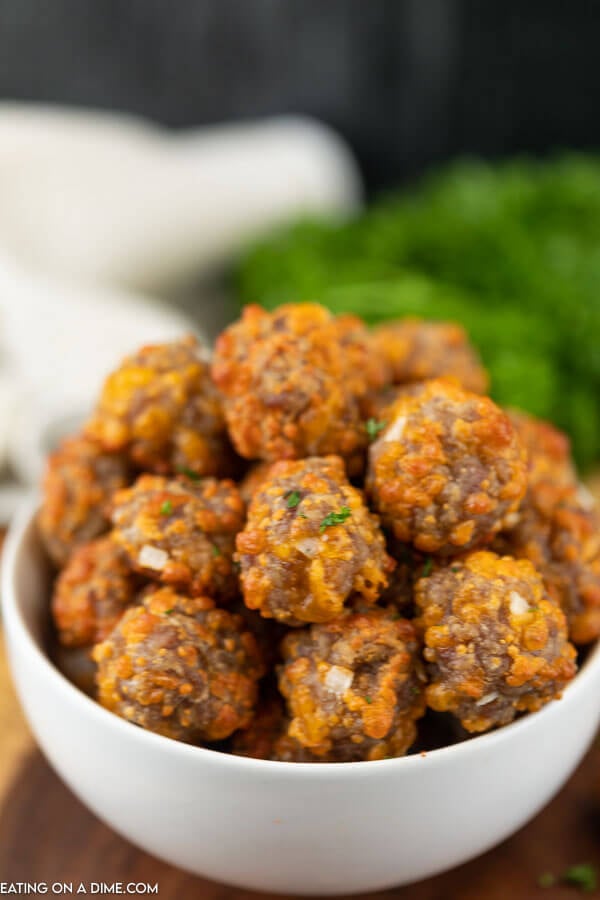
<point>415,691</point>
<point>189,473</point>
<point>292,498</point>
<point>169,611</point>
<point>167,508</point>
<point>236,565</point>
<point>215,551</point>
<point>583,876</point>
<point>369,699</point>
<point>302,516</point>
<point>335,518</point>
<point>456,568</point>
<point>546,880</point>
<point>427,567</point>
<point>374,427</point>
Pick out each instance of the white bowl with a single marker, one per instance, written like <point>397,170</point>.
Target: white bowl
<point>286,827</point>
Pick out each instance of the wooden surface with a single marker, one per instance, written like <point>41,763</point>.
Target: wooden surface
<point>47,835</point>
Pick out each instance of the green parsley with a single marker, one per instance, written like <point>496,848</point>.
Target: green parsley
<point>292,499</point>
<point>456,568</point>
<point>189,473</point>
<point>546,880</point>
<point>583,876</point>
<point>302,516</point>
<point>369,700</point>
<point>335,518</point>
<point>167,508</point>
<point>373,427</point>
<point>215,551</point>
<point>169,611</point>
<point>427,567</point>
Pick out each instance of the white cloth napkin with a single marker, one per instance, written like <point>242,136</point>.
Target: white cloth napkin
<point>98,212</point>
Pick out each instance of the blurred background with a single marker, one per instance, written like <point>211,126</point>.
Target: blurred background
<point>159,167</point>
<point>407,82</point>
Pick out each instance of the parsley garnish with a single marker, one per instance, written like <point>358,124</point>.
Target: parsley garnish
<point>546,880</point>
<point>169,611</point>
<point>189,473</point>
<point>369,699</point>
<point>215,551</point>
<point>167,508</point>
<point>456,568</point>
<point>583,876</point>
<point>427,567</point>
<point>374,427</point>
<point>302,516</point>
<point>292,498</point>
<point>335,518</point>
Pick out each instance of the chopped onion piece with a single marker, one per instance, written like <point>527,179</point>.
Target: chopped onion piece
<point>338,679</point>
<point>518,604</point>
<point>152,557</point>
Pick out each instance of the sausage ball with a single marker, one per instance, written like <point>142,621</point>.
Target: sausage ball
<point>448,471</point>
<point>551,472</point>
<point>78,485</point>
<point>91,593</point>
<point>181,532</point>
<point>558,528</point>
<point>564,546</point>
<point>495,641</point>
<point>293,385</point>
<point>415,350</point>
<point>161,407</point>
<point>309,543</point>
<point>353,687</point>
<point>180,667</point>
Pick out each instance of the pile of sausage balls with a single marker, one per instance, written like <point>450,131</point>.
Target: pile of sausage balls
<point>302,547</point>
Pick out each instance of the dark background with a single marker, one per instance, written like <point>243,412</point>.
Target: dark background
<point>408,82</point>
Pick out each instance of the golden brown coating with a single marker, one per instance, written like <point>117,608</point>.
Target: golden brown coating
<point>551,472</point>
<point>267,737</point>
<point>180,667</point>
<point>309,543</point>
<point>161,407</point>
<point>79,482</point>
<point>495,640</point>
<point>558,528</point>
<point>91,593</point>
<point>448,471</point>
<point>416,350</point>
<point>293,382</point>
<point>181,532</point>
<point>354,687</point>
<point>564,546</point>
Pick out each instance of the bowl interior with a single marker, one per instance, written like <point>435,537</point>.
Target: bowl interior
<point>26,582</point>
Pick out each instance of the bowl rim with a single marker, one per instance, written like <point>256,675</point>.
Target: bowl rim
<point>20,639</point>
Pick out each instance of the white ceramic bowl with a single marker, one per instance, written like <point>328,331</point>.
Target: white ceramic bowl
<point>292,828</point>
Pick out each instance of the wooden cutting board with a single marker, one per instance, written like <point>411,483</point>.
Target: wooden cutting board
<point>47,835</point>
